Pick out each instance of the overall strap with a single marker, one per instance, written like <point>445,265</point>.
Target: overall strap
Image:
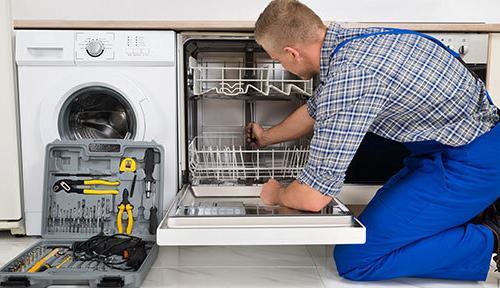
<point>395,31</point>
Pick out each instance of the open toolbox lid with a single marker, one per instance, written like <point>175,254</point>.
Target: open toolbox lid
<point>80,216</point>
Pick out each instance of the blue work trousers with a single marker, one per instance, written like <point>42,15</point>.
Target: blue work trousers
<point>419,223</point>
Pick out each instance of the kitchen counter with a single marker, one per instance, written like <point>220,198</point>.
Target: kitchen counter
<point>233,25</point>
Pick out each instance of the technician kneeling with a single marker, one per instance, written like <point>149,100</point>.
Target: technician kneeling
<point>403,86</point>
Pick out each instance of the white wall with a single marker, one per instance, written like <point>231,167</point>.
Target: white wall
<point>345,10</point>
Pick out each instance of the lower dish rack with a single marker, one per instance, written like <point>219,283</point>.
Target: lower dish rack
<point>224,159</point>
<point>222,205</point>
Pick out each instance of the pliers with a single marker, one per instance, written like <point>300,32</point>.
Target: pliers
<point>68,186</point>
<point>125,205</point>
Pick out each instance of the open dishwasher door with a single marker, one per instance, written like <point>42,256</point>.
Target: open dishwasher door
<point>234,215</point>
<point>226,80</point>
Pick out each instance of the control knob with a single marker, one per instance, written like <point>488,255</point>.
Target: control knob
<point>463,49</point>
<point>95,48</point>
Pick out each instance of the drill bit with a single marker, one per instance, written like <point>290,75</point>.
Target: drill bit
<point>57,219</point>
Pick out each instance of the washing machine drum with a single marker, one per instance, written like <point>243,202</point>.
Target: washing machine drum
<point>97,112</point>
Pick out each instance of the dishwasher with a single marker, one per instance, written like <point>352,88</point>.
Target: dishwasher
<point>225,81</point>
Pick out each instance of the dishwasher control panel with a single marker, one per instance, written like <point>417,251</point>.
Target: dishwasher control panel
<point>473,47</point>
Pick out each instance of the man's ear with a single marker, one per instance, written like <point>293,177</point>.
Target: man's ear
<point>292,52</point>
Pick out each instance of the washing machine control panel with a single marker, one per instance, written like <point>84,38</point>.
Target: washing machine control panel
<point>95,45</point>
<point>124,47</point>
<point>137,46</point>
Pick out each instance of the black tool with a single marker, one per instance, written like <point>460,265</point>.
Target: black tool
<point>149,159</point>
<point>82,175</point>
<point>153,220</point>
<point>149,166</point>
<point>133,186</point>
<point>109,249</point>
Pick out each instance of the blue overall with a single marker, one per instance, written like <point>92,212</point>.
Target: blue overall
<point>419,223</point>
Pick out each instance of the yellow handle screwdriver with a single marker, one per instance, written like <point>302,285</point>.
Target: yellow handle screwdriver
<point>64,261</point>
<point>44,260</point>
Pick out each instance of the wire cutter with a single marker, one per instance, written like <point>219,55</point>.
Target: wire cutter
<point>125,206</point>
<point>68,186</point>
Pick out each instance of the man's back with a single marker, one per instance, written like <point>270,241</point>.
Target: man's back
<point>432,95</point>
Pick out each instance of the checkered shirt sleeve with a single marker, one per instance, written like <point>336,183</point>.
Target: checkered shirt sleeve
<point>344,109</point>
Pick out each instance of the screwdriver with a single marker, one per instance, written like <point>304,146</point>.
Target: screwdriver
<point>153,220</point>
<point>38,265</point>
<point>133,186</point>
<point>149,159</point>
<point>149,166</point>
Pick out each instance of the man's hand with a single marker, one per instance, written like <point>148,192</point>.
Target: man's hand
<point>295,126</point>
<point>297,196</point>
<point>270,192</point>
<point>255,135</point>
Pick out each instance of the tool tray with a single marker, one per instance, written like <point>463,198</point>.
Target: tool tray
<point>70,217</point>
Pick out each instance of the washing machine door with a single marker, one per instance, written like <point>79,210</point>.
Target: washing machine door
<point>97,105</point>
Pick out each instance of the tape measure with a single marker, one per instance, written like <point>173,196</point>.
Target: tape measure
<point>128,165</point>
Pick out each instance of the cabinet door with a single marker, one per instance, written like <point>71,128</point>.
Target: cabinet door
<point>10,206</point>
<point>493,76</point>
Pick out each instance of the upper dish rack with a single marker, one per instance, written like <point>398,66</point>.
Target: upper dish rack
<point>223,80</point>
<point>223,159</point>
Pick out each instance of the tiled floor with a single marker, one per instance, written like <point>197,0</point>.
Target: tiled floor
<point>267,266</point>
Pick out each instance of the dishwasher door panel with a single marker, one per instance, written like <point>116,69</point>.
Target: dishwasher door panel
<point>234,215</point>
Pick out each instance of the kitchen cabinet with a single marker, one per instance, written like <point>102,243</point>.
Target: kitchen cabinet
<point>493,80</point>
<point>10,204</point>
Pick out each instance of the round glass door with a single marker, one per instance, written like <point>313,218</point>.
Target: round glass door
<point>97,112</point>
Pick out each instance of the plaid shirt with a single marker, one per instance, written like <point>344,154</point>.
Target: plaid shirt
<point>401,87</point>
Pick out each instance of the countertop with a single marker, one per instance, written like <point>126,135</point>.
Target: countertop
<point>234,25</point>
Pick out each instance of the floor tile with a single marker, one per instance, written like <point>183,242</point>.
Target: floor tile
<point>233,277</point>
<point>10,247</point>
<point>330,278</point>
<point>437,283</point>
<point>319,254</point>
<point>235,256</point>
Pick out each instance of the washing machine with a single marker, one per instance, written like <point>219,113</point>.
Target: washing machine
<point>94,84</point>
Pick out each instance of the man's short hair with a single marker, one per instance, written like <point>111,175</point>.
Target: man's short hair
<point>287,22</point>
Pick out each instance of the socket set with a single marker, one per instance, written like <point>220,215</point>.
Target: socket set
<point>46,258</point>
<point>26,261</point>
<point>99,216</point>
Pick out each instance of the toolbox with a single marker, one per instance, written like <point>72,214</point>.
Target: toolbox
<point>90,189</point>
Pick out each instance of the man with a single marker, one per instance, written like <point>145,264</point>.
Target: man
<point>404,87</point>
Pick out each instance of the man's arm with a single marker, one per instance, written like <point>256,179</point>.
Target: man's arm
<point>295,126</point>
<point>346,108</point>
<point>297,196</point>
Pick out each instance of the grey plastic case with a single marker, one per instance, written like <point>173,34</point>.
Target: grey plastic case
<point>65,220</point>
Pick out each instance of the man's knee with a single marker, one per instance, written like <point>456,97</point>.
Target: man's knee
<point>354,264</point>
<point>347,258</point>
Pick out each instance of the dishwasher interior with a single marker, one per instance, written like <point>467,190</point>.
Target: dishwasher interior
<point>227,83</point>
